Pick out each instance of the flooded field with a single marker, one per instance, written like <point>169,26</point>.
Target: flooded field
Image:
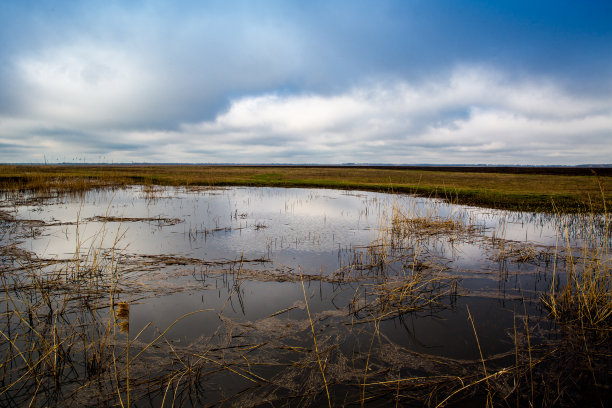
<point>153,296</point>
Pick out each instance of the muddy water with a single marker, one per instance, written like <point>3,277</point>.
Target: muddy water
<point>258,261</point>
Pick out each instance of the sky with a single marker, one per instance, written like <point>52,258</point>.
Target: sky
<point>326,82</point>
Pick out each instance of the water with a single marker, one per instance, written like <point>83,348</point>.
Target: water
<point>258,261</point>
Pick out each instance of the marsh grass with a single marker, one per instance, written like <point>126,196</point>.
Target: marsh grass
<point>584,299</point>
<point>66,337</point>
<point>570,368</point>
<point>390,299</point>
<point>580,302</point>
<point>56,335</point>
<point>539,190</point>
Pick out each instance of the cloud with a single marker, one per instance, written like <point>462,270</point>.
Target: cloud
<point>151,65</point>
<point>83,85</point>
<point>326,82</point>
<point>472,115</point>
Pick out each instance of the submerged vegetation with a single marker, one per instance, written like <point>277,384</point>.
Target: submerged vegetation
<point>535,189</point>
<point>70,335</point>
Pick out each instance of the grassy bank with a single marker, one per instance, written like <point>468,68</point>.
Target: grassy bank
<point>569,191</point>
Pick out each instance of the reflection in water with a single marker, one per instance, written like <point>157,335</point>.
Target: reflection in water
<point>214,277</point>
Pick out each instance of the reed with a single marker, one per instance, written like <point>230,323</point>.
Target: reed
<point>65,335</point>
<point>584,300</point>
<point>56,340</point>
<point>580,302</point>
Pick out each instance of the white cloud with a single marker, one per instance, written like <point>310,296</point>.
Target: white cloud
<point>474,111</point>
<point>473,115</point>
<point>83,84</point>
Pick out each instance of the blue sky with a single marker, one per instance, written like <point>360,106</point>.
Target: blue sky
<point>507,82</point>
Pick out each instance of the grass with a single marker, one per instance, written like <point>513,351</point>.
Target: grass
<point>571,368</point>
<point>57,338</point>
<point>65,333</point>
<point>580,302</point>
<point>572,192</point>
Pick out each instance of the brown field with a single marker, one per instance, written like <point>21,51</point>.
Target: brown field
<point>548,189</point>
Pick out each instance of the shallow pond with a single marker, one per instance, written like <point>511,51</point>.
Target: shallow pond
<point>252,295</point>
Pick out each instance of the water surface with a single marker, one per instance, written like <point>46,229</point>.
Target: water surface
<point>258,261</point>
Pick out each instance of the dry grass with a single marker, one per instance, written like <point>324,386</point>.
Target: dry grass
<point>584,300</point>
<point>580,302</point>
<point>504,189</point>
<point>57,338</point>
